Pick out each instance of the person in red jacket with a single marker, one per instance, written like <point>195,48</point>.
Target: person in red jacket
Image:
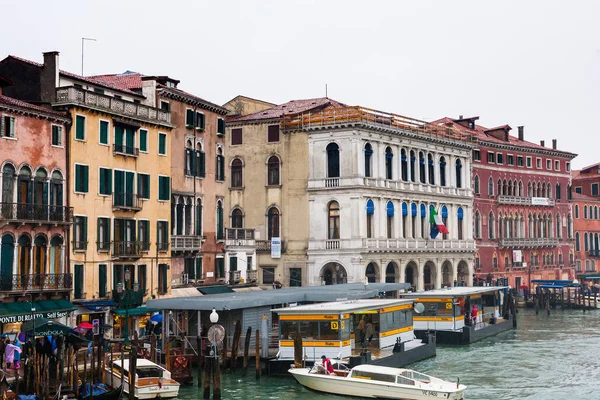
<point>327,365</point>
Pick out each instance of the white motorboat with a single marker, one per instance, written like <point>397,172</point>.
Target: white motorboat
<point>377,382</point>
<point>151,380</point>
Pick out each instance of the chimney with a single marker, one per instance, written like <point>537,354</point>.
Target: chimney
<point>542,143</point>
<point>49,77</point>
<point>553,144</point>
<point>460,117</point>
<point>521,133</point>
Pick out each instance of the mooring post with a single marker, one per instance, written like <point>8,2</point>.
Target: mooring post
<point>257,346</point>
<point>246,349</point>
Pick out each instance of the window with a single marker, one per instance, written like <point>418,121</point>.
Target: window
<point>8,127</point>
<point>491,157</point>
<point>125,141</point>
<point>105,182</point>
<point>163,281</point>
<point>476,155</point>
<point>390,219</point>
<point>81,178</point>
<point>80,233</point>
<point>162,235</point>
<point>558,192</point>
<point>476,184</point>
<point>103,234</point>
<point>477,225</point>
<point>520,161</point>
<point>198,216</point>
<point>56,135</point>
<point>557,165</point>
<point>421,167</point>
<point>273,173</point>
<point>237,218</point>
<point>102,279</point>
<point>78,282</point>
<point>236,173</point>
<point>220,126</point>
<point>585,214</point>
<point>442,171</point>
<point>538,163</point>
<point>370,217</point>
<point>334,221</point>
<point>529,162</point>
<point>144,234</point>
<point>430,170</point>
<point>79,127</point>
<point>236,136</point>
<point>333,160</point>
<point>499,158</point>
<point>273,133</point>
<point>272,223</point>
<point>144,140</point>
<point>143,188</point>
<point>165,106</point>
<point>162,144</point>
<point>594,189</point>
<point>578,189</point>
<point>220,161</point>
<point>576,211</point>
<point>510,159</point>
<point>568,166</point>
<point>549,165</point>
<point>164,188</point>
<point>220,227</point>
<point>104,132</point>
<point>490,187</point>
<point>268,275</point>
<point>412,166</point>
<point>458,174</point>
<point>200,121</point>
<point>577,245</point>
<point>368,157</point>
<point>491,226</point>
<point>142,278</point>
<point>189,118</point>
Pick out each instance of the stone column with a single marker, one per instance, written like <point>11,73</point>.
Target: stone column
<point>401,271</point>
<point>438,274</point>
<point>420,277</point>
<point>470,269</point>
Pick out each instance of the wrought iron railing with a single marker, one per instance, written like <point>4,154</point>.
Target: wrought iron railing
<point>36,213</point>
<point>127,249</point>
<point>127,201</point>
<point>18,283</point>
<point>79,245</point>
<point>594,253</point>
<point>528,242</point>
<point>162,246</point>
<point>126,150</point>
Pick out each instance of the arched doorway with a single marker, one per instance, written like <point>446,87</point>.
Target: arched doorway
<point>429,276</point>
<point>334,274</point>
<point>6,261</point>
<point>371,273</point>
<point>391,273</point>
<point>447,274</point>
<point>462,273</point>
<point>410,275</point>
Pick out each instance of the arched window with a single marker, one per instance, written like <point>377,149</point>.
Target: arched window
<point>236,173</point>
<point>585,242</point>
<point>413,213</point>
<point>577,244</point>
<point>334,221</point>
<point>220,228</point>
<point>458,174</point>
<point>333,160</point>
<point>595,212</point>
<point>200,161</point>
<point>237,218</point>
<point>499,188</point>
<point>273,227</point>
<point>477,225</point>
<point>189,158</point>
<point>405,220</point>
<point>7,252</point>
<point>56,196</point>
<point>445,220</point>
<point>491,226</point>
<point>368,158</point>
<point>585,212</point>
<point>404,165</point>
<point>389,158</point>
<point>495,261</point>
<point>24,190</point>
<point>8,184</point>
<point>460,216</point>
<point>412,166</point>
<point>24,254</point>
<point>421,167</point>
<point>442,171</point>
<point>576,211</point>
<point>430,169</point>
<point>424,224</point>
<point>558,194</point>
<point>476,184</point>
<point>370,213</point>
<point>39,255</point>
<point>558,227</point>
<point>198,220</point>
<point>220,160</point>
<point>390,219</point>
<point>371,273</point>
<point>490,187</point>
<point>273,171</point>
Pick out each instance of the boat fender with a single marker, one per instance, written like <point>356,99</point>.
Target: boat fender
<point>160,382</point>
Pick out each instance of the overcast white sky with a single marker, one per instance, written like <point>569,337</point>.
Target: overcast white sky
<point>532,63</point>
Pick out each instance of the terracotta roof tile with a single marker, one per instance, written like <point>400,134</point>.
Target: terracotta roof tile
<point>291,107</point>
<point>578,196</point>
<point>9,101</point>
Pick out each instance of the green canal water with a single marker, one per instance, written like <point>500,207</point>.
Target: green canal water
<point>546,357</point>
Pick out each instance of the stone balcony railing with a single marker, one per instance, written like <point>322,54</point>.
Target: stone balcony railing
<point>36,282</point>
<point>239,237</point>
<point>526,201</point>
<point>528,242</point>
<point>185,243</point>
<point>36,213</point>
<point>264,246</point>
<point>77,96</point>
<point>328,183</point>
<point>392,244</point>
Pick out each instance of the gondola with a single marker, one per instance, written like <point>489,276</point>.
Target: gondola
<point>112,394</point>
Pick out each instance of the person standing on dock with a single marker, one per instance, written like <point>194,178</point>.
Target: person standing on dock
<point>474,314</point>
<point>360,331</point>
<point>369,332</point>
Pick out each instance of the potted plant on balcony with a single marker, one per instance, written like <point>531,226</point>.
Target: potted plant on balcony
<point>277,285</point>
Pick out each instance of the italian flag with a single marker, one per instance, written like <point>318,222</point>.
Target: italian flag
<point>437,225</point>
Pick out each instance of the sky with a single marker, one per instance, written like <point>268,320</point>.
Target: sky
<point>534,63</point>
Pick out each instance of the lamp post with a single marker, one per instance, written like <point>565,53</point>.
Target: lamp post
<point>127,298</point>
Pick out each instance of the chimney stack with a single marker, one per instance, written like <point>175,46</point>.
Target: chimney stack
<point>49,77</point>
<point>553,144</point>
<point>521,133</point>
<point>460,117</point>
<point>542,143</point>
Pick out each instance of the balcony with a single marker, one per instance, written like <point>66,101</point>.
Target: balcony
<point>526,201</point>
<point>127,202</point>
<point>528,242</point>
<point>36,282</point>
<point>126,150</point>
<point>127,250</point>
<point>317,184</point>
<point>594,253</point>
<point>393,245</point>
<point>239,237</point>
<point>76,96</point>
<point>234,277</point>
<point>264,246</point>
<point>251,276</point>
<point>130,297</point>
<point>182,243</point>
<point>162,246</point>
<point>36,214</point>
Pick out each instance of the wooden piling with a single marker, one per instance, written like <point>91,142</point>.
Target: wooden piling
<point>246,349</point>
<point>298,350</point>
<point>153,348</point>
<point>199,359</point>
<point>76,371</point>
<point>110,365</point>
<point>235,345</point>
<point>85,377</point>
<point>257,347</point>
<point>217,378</point>
<point>132,371</point>
<point>224,350</point>
<point>207,369</point>
<point>123,368</point>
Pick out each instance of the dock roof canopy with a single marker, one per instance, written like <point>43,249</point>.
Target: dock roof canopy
<point>455,291</point>
<point>241,300</point>
<point>348,306</point>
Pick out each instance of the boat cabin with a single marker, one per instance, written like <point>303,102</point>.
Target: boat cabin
<point>328,328</point>
<point>390,375</point>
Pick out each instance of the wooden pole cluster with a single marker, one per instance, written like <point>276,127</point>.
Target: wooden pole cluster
<point>257,346</point>
<point>235,345</point>
<point>246,349</point>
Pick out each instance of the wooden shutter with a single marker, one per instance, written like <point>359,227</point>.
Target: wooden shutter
<point>143,140</point>
<point>80,127</point>
<point>200,120</point>
<point>273,133</point>
<point>102,280</point>
<point>202,164</point>
<point>221,126</point>
<point>236,136</point>
<point>189,118</point>
<point>162,143</point>
<point>104,132</point>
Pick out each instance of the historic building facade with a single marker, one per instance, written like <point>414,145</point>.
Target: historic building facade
<point>522,221</point>
<point>118,164</point>
<point>34,215</point>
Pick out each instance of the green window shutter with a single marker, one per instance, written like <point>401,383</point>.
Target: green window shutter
<point>84,229</point>
<point>189,118</point>
<point>143,140</point>
<point>80,127</point>
<point>200,120</point>
<point>103,132</point>
<point>233,263</point>
<point>198,268</point>
<point>147,186</point>
<point>202,164</point>
<point>78,286</point>
<point>221,126</point>
<point>77,178</point>
<point>105,181</point>
<point>164,190</point>
<point>85,169</point>
<point>118,138</point>
<point>162,144</point>
<point>102,280</point>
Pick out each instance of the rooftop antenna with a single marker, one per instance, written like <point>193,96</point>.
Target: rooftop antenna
<point>325,90</point>
<point>83,39</point>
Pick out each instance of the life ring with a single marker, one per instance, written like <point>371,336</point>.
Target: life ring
<point>180,362</point>
<point>460,302</point>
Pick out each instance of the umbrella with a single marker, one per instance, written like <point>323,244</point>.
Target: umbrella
<point>156,318</point>
<point>85,325</point>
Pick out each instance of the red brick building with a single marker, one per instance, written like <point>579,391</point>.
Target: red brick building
<point>522,219</point>
<point>585,205</point>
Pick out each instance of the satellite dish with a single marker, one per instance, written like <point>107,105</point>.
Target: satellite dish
<point>419,308</point>
<point>215,334</point>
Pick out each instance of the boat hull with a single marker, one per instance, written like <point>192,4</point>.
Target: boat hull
<point>359,388</point>
<point>148,388</point>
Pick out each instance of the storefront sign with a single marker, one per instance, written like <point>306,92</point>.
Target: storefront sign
<point>540,201</point>
<point>517,256</point>
<point>275,247</point>
<point>28,317</point>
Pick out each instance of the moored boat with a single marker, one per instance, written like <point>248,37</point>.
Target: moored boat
<point>373,381</point>
<point>151,380</point>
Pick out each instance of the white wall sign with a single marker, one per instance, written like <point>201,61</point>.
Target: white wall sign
<point>275,247</point>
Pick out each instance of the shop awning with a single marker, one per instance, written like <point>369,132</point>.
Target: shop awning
<point>182,292</point>
<point>45,327</point>
<point>98,305</point>
<point>215,289</point>
<point>23,311</point>
<point>143,310</point>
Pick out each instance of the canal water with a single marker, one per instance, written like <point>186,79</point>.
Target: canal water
<point>546,357</point>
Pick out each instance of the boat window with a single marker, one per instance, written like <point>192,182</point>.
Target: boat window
<point>149,372</point>
<point>288,329</point>
<point>373,376</point>
<point>404,381</point>
<point>420,377</point>
<point>309,329</point>
<point>326,331</point>
<point>345,329</point>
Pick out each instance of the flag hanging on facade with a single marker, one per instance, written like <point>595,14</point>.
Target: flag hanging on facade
<point>437,225</point>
